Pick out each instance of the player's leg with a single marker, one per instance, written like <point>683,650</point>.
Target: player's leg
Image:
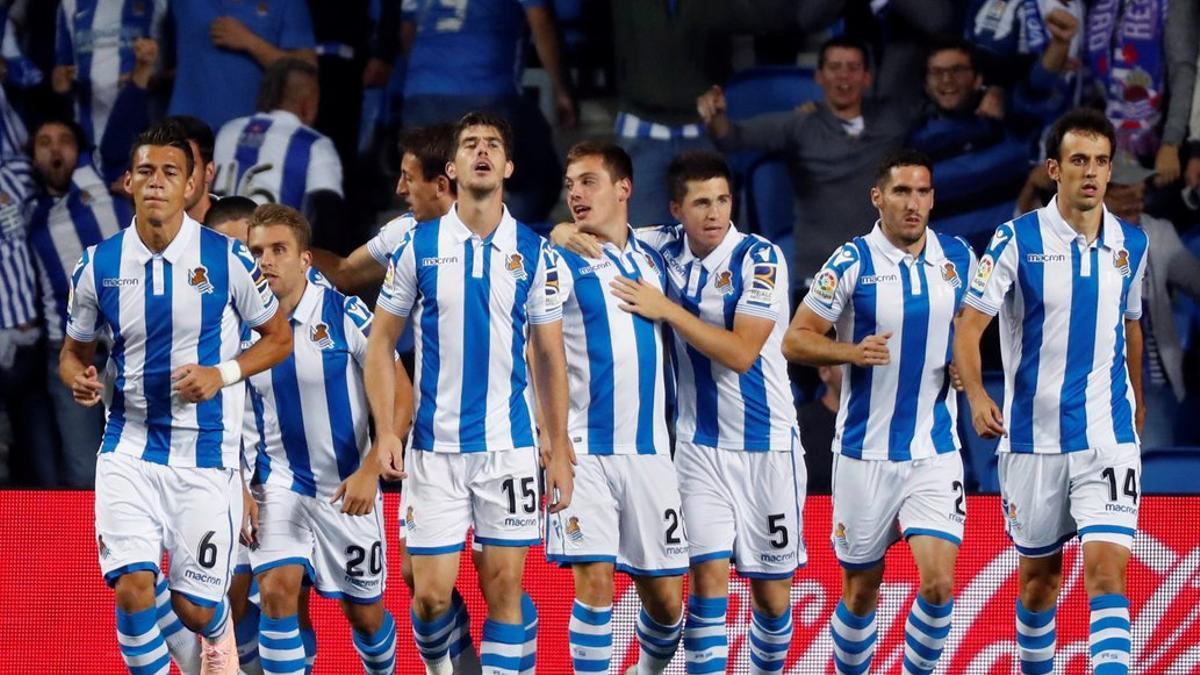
<point>308,634</point>
<point>245,613</point>
<point>589,632</point>
<point>281,650</point>
<point>659,623</point>
<point>181,642</point>
<point>1105,488</point>
<point>1034,496</point>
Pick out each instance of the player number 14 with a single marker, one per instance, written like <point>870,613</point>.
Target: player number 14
<point>1129,488</point>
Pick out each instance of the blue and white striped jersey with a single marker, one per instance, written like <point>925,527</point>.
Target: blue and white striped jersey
<point>14,137</point>
<point>904,410</point>
<point>615,358</point>
<point>60,228</point>
<point>718,406</point>
<point>274,158</point>
<point>184,305</point>
<point>96,36</point>
<point>312,408</point>
<point>384,243</point>
<point>471,302</point>
<point>17,282</point>
<point>1063,305</point>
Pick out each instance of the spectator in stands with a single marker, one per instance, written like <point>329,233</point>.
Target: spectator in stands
<point>130,115</point>
<point>275,155</point>
<point>461,59</point>
<point>16,69</point>
<point>200,137</point>
<point>94,53</point>
<point>667,54</point>
<point>223,48</point>
<point>818,421</point>
<point>1170,267</point>
<point>73,209</point>
<point>832,151</point>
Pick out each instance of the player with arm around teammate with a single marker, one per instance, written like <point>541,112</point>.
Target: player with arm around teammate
<point>892,296</point>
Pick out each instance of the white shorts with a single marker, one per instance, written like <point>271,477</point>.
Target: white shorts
<point>447,493</point>
<point>744,506</point>
<point>143,508</point>
<point>625,510</point>
<point>345,556</point>
<point>1048,499</point>
<point>241,564</point>
<point>876,502</point>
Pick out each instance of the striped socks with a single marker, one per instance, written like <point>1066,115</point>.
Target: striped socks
<point>589,636</point>
<point>658,643</point>
<point>433,640</point>
<point>141,643</point>
<point>378,651</point>
<point>500,651</point>
<point>770,638</point>
<point>704,642</point>
<point>219,623</point>
<point>280,649</point>
<point>1035,640</point>
<point>461,648</point>
<point>246,633</point>
<point>853,641</point>
<point>529,619</point>
<point>181,642</point>
<point>308,637</point>
<point>1109,636</point>
<point>925,635</point>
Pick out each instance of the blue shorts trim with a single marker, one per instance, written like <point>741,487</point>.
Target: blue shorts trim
<point>1042,551</point>
<point>492,541</point>
<point>435,550</point>
<point>715,555</point>
<point>283,562</point>
<point>854,566</point>
<point>639,572</point>
<point>915,531</point>
<point>199,601</point>
<point>568,560</point>
<point>766,576</point>
<point>1106,529</point>
<point>242,569</point>
<point>111,577</point>
<point>357,600</point>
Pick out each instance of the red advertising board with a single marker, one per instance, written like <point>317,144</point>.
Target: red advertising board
<point>56,614</point>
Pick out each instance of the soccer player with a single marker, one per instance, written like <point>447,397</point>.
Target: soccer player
<point>625,513</point>
<point>1066,280</point>
<point>894,291</point>
<point>737,441</point>
<point>479,286</point>
<point>173,296</point>
<point>313,411</point>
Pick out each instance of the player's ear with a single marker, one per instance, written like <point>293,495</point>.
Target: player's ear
<point>127,182</point>
<point>624,189</point>
<point>508,168</point>
<point>1053,169</point>
<point>876,197</point>
<point>450,170</point>
<point>443,185</point>
<point>210,173</point>
<point>306,258</point>
<point>676,211</point>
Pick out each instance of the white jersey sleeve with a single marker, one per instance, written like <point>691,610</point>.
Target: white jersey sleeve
<point>357,326</point>
<point>834,284</point>
<point>83,309</point>
<point>399,290</point>
<point>252,297</point>
<point>324,168</point>
<point>765,282</point>
<point>1133,302</point>
<point>383,244</point>
<point>658,237</point>
<point>545,302</point>
<point>996,272</point>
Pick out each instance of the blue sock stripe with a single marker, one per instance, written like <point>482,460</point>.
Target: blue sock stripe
<point>843,668</point>
<point>1112,644</point>
<point>1110,601</point>
<point>501,646</point>
<point>1035,642</point>
<point>1034,619</point>
<point>216,625</point>
<point>938,633</point>
<point>136,623</point>
<point>922,650</point>
<point>589,640</point>
<point>433,626</point>
<point>1037,667</point>
<point>853,620</point>
<point>773,624</point>
<point>504,633</point>
<point>596,616</point>
<point>854,646</point>
<point>1109,622</point>
<point>935,611</point>
<point>707,608</point>
<point>757,641</point>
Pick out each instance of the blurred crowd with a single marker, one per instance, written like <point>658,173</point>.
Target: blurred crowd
<point>302,102</point>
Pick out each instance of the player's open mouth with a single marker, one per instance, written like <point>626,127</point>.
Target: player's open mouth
<point>581,211</point>
<point>1090,190</point>
<point>483,166</point>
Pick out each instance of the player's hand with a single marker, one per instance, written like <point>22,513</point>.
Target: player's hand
<point>560,476</point>
<point>358,491</point>
<point>228,32</point>
<point>197,383</point>
<point>873,351</point>
<point>86,388</point>
<point>570,237</point>
<point>388,456</point>
<point>986,417</point>
<point>1166,163</point>
<point>145,55</point>
<point>567,110</point>
<point>62,78</point>
<point>641,298</point>
<point>992,103</point>
<point>249,534</point>
<point>711,104</point>
<point>955,380</point>
<point>1062,25</point>
<point>1139,418</point>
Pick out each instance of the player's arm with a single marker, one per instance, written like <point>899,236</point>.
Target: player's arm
<point>968,331</point>
<point>77,371</point>
<point>384,376</point>
<point>549,50</point>
<point>229,33</point>
<point>550,385</point>
<point>355,272</point>
<point>807,341</point>
<point>196,383</point>
<point>76,368</point>
<point>1133,360</point>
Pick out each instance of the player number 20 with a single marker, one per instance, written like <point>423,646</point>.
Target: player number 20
<point>528,494</point>
<point>672,518</point>
<point>357,555</point>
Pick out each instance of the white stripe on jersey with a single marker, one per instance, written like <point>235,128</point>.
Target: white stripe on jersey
<point>312,407</point>
<point>17,283</point>
<point>1062,306</point>
<point>614,358</point>
<point>906,409</point>
<point>183,306</point>
<point>384,243</point>
<point>471,303</point>
<point>718,406</point>
<point>273,157</point>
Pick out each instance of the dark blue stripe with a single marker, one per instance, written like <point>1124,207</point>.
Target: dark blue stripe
<point>756,419</point>
<point>43,245</point>
<point>156,371</point>
<point>1081,349</point>
<point>1135,244</point>
<point>294,182</point>
<point>246,156</point>
<point>858,408</point>
<point>913,338</point>
<point>704,386</point>
<point>290,413</point>
<point>83,63</point>
<point>531,248</point>
<point>210,415</point>
<point>476,337</point>
<point>593,310</point>
<point>424,243</point>
<point>107,264</point>
<point>262,468</point>
<point>1025,381</point>
<point>646,338</point>
<point>337,386</point>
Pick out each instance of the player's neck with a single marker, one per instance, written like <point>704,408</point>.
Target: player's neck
<point>200,210</point>
<point>616,233</point>
<point>1086,223</point>
<point>158,236</point>
<point>289,302</point>
<point>481,213</point>
<point>914,249</point>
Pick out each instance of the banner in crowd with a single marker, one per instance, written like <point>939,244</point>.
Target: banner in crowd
<point>56,614</point>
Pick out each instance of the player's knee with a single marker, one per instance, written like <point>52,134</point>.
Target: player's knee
<point>1040,591</point>
<point>501,585</point>
<point>665,606</point>
<point>134,591</point>
<point>938,589</point>
<point>593,585</point>
<point>278,598</point>
<point>1104,579</point>
<point>428,605</point>
<point>364,619</point>
<point>771,597</point>
<point>194,617</point>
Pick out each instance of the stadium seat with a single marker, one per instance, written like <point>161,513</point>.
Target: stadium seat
<point>979,454</point>
<point>1170,471</point>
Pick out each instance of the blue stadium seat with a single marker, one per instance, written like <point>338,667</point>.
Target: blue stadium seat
<point>979,454</point>
<point>1170,471</point>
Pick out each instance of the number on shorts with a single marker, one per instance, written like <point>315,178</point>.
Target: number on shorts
<point>358,554</point>
<point>528,494</point>
<point>672,517</point>
<point>208,551</point>
<point>1130,487</point>
<point>776,527</point>
<point>957,488</point>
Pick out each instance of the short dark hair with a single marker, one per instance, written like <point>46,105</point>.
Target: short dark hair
<point>1088,121</point>
<point>280,214</point>
<point>898,158</point>
<point>273,88</point>
<point>844,42</point>
<point>198,132</point>
<point>486,119</point>
<point>225,209</point>
<point>693,166</point>
<point>433,146</point>
<point>616,161</point>
<point>81,141</point>
<point>169,133</point>
<point>946,43</point>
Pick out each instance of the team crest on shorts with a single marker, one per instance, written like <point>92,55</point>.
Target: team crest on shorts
<point>574,532</point>
<point>104,552</point>
<point>950,274</point>
<point>839,534</point>
<point>409,521</point>
<point>515,264</point>
<point>724,282</point>
<point>320,336</point>
<point>1121,262</point>
<point>198,279</point>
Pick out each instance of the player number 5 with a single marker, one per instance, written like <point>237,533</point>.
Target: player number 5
<point>777,528</point>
